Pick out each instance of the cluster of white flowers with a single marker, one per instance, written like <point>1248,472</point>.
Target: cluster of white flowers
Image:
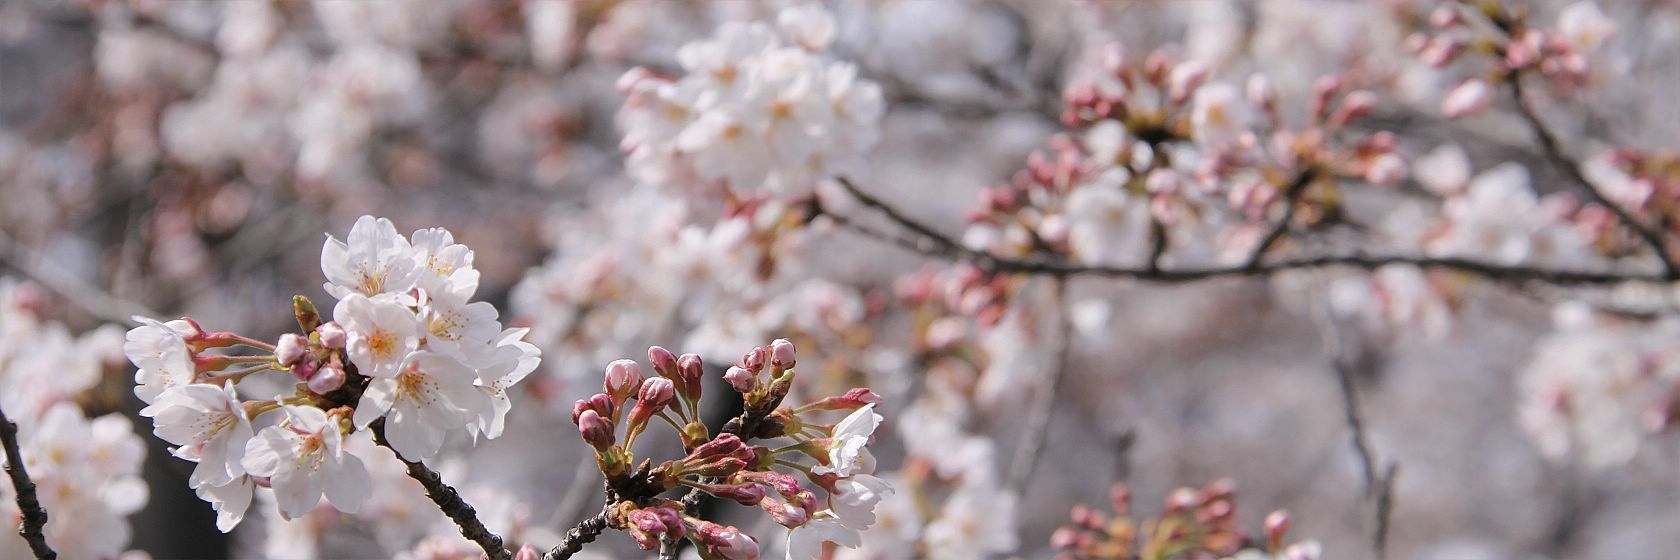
<point>754,110</point>
<point>433,361</point>
<point>1497,216</point>
<point>87,470</point>
<point>1597,386</point>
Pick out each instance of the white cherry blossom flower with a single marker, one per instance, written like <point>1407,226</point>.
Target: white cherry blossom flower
<point>230,500</point>
<point>209,425</point>
<point>443,266</point>
<point>513,360</point>
<point>459,327</point>
<point>847,454</point>
<point>161,354</point>
<point>373,260</point>
<point>304,458</point>
<point>854,500</point>
<point>381,333</point>
<point>432,394</point>
<point>806,541</point>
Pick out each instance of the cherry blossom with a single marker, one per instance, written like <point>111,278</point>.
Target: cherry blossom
<point>303,459</point>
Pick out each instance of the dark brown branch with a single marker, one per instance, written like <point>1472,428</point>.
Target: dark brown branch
<point>1553,150</point>
<point>34,516</point>
<point>1044,397</point>
<point>1291,194</point>
<point>1384,510</point>
<point>934,244</point>
<point>448,500</point>
<point>584,533</point>
<point>1352,415</point>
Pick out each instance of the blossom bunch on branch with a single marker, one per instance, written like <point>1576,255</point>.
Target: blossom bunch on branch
<point>406,355</point>
<point>1194,523</point>
<point>839,491</point>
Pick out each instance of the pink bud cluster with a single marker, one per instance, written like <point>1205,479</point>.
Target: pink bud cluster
<point>1502,39</point>
<point>1203,523</point>
<point>839,491</point>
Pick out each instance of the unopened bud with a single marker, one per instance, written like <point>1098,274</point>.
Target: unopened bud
<point>742,380</point>
<point>785,514</point>
<point>596,431</point>
<point>1469,98</point>
<point>601,403</point>
<point>754,360</point>
<point>663,361</point>
<point>744,494</point>
<point>656,393</point>
<point>332,335</point>
<point>623,378</point>
<point>1276,524</point>
<point>691,370</point>
<point>326,380</point>
<point>527,552</point>
<point>782,354</point>
<point>304,310</point>
<point>290,349</point>
<point>852,400</point>
<point>725,542</point>
<point>1354,105</point>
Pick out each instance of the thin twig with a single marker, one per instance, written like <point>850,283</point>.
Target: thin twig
<point>1291,193</point>
<point>1044,397</point>
<point>448,500</point>
<point>34,516</point>
<point>1384,510</point>
<point>584,533</point>
<point>1553,150</point>
<point>934,244</point>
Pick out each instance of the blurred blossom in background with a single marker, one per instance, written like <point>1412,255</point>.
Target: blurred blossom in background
<point>1429,311</point>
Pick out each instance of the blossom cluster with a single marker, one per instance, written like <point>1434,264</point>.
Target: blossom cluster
<point>1167,164</point>
<point>1194,523</point>
<point>840,492</point>
<point>1501,40</point>
<point>85,462</point>
<point>406,347</point>
<point>756,108</point>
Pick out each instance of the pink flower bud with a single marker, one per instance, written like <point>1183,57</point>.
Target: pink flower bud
<point>852,400</point>
<point>527,552</point>
<point>596,431</point>
<point>326,380</point>
<point>332,335</point>
<point>1386,169</point>
<point>305,369</point>
<point>726,542</point>
<point>1469,98</point>
<point>742,380</point>
<point>1355,105</point>
<point>290,349</point>
<point>785,514</point>
<point>754,360</point>
<point>744,494</point>
<point>663,361</point>
<point>782,354</point>
<point>600,403</point>
<point>722,456</point>
<point>623,378</point>
<point>656,393</point>
<point>690,369</point>
<point>1276,524</point>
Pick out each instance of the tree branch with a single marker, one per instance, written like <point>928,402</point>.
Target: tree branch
<point>1553,150</point>
<point>448,500</point>
<point>934,244</point>
<point>1290,194</point>
<point>1044,396</point>
<point>584,533</point>
<point>34,516</point>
